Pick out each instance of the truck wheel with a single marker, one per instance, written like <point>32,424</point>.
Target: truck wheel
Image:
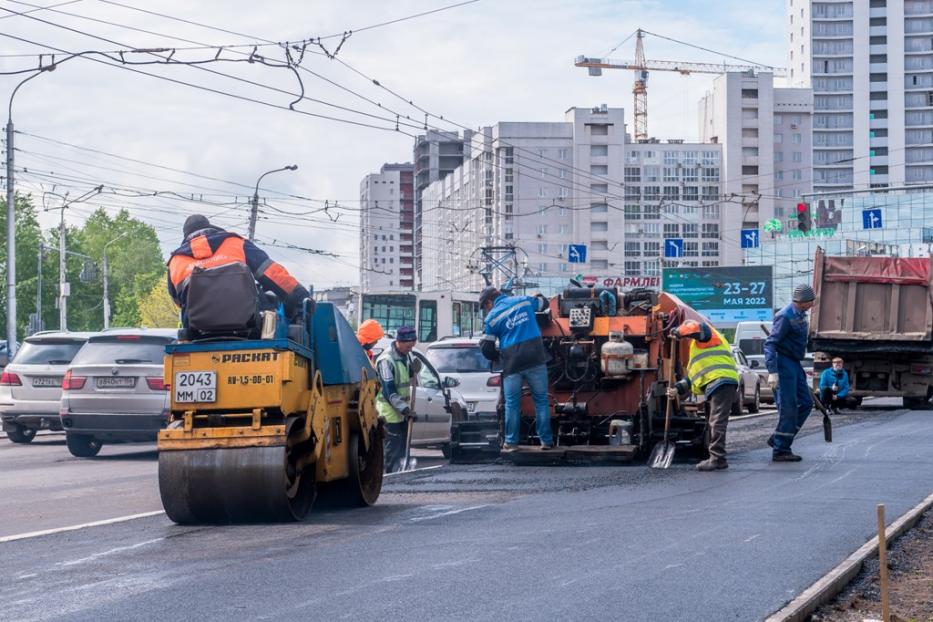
<point>21,434</point>
<point>737,404</point>
<point>755,406</point>
<point>445,449</point>
<point>82,445</point>
<point>916,403</point>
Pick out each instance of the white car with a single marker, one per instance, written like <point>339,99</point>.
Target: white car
<point>461,358</point>
<point>749,394</point>
<point>31,385</point>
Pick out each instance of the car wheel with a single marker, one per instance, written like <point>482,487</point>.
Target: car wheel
<point>755,406</point>
<point>445,449</point>
<point>82,445</point>
<point>21,434</point>
<point>737,403</point>
<point>916,403</point>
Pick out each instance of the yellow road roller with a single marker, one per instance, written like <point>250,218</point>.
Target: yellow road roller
<point>261,427</point>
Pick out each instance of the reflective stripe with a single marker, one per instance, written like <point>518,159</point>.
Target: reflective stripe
<point>695,377</point>
<point>702,355</point>
<point>785,434</point>
<point>262,268</point>
<point>230,251</point>
<point>502,314</point>
<point>709,363</point>
<point>280,276</point>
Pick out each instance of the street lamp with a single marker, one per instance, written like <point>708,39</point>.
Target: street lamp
<point>254,212</point>
<point>106,267</point>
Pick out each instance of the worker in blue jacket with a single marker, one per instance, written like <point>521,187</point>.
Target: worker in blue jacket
<point>834,386</point>
<point>785,348</point>
<point>511,321</point>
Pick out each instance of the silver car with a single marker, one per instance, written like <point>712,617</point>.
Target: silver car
<point>461,358</point>
<point>749,394</point>
<point>114,390</point>
<point>31,385</point>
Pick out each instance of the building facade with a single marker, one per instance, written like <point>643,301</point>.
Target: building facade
<point>541,187</point>
<point>766,139</point>
<point>387,225</point>
<point>869,63</point>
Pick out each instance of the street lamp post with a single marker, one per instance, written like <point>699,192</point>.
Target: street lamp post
<point>254,211</point>
<point>106,268</point>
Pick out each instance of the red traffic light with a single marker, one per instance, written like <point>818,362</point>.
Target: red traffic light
<point>802,207</point>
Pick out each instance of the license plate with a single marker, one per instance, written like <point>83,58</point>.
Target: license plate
<point>471,407</point>
<point>195,386</point>
<point>116,382</point>
<point>47,381</point>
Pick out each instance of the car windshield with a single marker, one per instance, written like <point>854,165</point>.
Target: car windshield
<point>122,352</point>
<point>751,347</point>
<point>47,352</point>
<point>454,360</point>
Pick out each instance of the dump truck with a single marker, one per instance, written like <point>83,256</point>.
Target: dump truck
<point>261,426</point>
<point>610,363</point>
<point>876,314</point>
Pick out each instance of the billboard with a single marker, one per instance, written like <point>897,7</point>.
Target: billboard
<point>725,295</point>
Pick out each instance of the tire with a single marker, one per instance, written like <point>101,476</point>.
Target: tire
<point>755,406</point>
<point>737,404</point>
<point>82,445</point>
<point>362,486</point>
<point>445,449</point>
<point>21,434</point>
<point>916,403</point>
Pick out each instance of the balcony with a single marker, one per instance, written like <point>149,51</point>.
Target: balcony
<point>878,49</point>
<point>879,161</point>
<point>875,124</point>
<point>879,87</point>
<point>878,141</point>
<point>749,141</point>
<point>878,67</point>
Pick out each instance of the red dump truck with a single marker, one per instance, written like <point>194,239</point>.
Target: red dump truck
<point>875,313</point>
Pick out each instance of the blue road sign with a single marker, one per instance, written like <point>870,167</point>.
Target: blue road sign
<point>750,238</point>
<point>871,218</point>
<point>576,253</point>
<point>674,247</point>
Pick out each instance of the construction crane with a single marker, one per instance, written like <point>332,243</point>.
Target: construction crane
<point>641,67</point>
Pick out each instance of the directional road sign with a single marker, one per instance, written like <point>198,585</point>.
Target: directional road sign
<point>871,218</point>
<point>750,238</point>
<point>576,253</point>
<point>674,247</point>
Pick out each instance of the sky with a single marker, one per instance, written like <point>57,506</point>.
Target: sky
<point>189,140</point>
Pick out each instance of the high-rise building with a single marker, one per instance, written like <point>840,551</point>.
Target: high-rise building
<point>869,63</point>
<point>387,229</point>
<point>765,133</point>
<point>436,154</point>
<point>544,186</point>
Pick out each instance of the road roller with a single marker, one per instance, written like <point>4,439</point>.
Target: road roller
<point>261,427</point>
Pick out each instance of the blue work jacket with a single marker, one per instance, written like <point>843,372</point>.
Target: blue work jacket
<point>512,321</point>
<point>788,337</point>
<point>829,377</point>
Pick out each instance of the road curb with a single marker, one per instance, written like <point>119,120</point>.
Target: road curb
<point>836,579</point>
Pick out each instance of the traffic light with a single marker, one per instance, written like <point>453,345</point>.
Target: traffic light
<point>804,220</point>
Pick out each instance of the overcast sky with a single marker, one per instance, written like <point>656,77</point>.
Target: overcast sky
<point>487,61</point>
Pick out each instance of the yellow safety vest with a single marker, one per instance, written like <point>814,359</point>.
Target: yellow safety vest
<point>402,386</point>
<point>710,363</point>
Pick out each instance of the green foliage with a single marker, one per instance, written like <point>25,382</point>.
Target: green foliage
<point>157,310</point>
<point>134,258</point>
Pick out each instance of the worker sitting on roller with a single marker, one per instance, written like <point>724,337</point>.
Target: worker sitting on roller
<point>395,367</point>
<point>369,334</point>
<point>207,248</point>
<point>711,372</point>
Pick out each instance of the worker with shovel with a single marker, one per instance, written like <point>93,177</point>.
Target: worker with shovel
<point>396,368</point>
<point>711,372</point>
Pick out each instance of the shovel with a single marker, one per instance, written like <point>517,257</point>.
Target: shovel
<point>411,463</point>
<point>827,422</point>
<point>663,453</point>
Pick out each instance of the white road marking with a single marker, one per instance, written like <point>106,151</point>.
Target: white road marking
<point>449,512</point>
<point>430,468</point>
<point>752,538</point>
<point>99,523</point>
<point>118,549</point>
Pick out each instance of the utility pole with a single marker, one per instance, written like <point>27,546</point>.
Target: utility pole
<point>63,285</point>
<point>39,290</point>
<point>10,242</point>
<point>254,208</point>
<point>106,266</point>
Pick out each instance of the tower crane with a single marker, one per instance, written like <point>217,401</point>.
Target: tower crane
<point>641,67</point>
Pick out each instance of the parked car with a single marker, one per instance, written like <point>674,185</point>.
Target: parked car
<point>31,385</point>
<point>749,393</point>
<point>461,358</point>
<point>434,396</point>
<point>4,354</point>
<point>750,339</point>
<point>114,391</point>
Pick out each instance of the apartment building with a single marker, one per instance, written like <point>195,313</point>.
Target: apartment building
<point>387,225</point>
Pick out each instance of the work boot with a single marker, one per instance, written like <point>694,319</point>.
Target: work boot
<point>547,446</point>
<point>507,448</point>
<point>713,463</point>
<point>785,456</point>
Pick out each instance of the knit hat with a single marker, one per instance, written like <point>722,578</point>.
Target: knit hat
<point>195,222</point>
<point>804,293</point>
<point>406,333</point>
<point>490,293</point>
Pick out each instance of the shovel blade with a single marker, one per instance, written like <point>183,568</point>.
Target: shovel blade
<point>662,456</point>
<point>827,429</point>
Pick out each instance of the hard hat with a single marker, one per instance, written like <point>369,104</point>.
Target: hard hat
<point>804,293</point>
<point>490,293</point>
<point>370,331</point>
<point>694,330</point>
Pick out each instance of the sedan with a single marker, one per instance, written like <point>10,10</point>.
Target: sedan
<point>749,394</point>
<point>462,359</point>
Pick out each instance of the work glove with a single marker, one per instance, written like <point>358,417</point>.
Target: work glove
<point>415,365</point>
<point>406,412</point>
<point>835,388</point>
<point>773,381</point>
<point>671,393</point>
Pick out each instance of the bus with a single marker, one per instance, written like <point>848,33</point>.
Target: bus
<point>434,315</point>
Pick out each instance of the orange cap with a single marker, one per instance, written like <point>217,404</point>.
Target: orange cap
<point>688,329</point>
<point>370,331</point>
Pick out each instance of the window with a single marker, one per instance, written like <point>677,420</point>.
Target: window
<point>797,175</point>
<point>690,230</point>
<point>542,249</point>
<point>670,158</point>
<point>633,249</point>
<point>632,173</point>
<point>651,173</point>
<point>672,192</point>
<point>690,174</point>
<point>797,138</point>
<point>599,129</point>
<point>651,211</point>
<point>633,212</point>
<point>691,193</point>
<point>652,193</point>
<point>599,169</point>
<point>632,192</point>
<point>542,191</point>
<point>564,230</point>
<point>598,150</point>
<point>710,249</point>
<point>599,208</point>
<point>542,229</point>
<point>710,174</point>
<point>778,138</point>
<point>778,156</point>
<point>543,172</point>
<point>598,227</point>
<point>710,193</point>
<point>691,158</point>
<point>562,173</point>
<point>564,192</point>
<point>599,264</point>
<point>750,93</point>
<point>711,212</point>
<point>599,188</point>
<point>561,154</point>
<point>671,230</point>
<point>749,170</point>
<point>798,156</point>
<point>691,249</point>
<point>600,245</point>
<point>670,173</point>
<point>632,268</point>
<point>710,230</point>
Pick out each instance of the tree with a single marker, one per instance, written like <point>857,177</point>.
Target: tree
<point>28,236</point>
<point>157,309</point>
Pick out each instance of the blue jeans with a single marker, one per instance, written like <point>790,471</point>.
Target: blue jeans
<point>794,402</point>
<point>512,387</point>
